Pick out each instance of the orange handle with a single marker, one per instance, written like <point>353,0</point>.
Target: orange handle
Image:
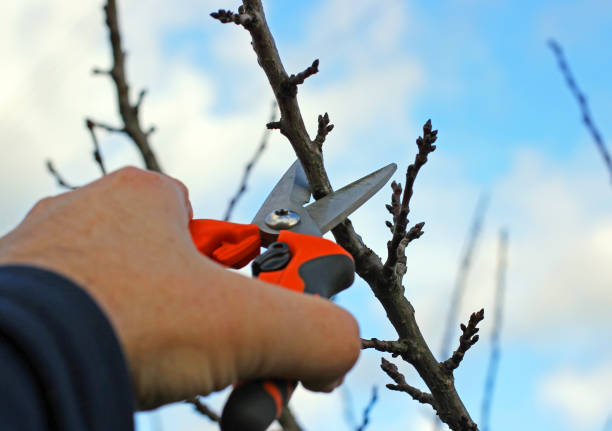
<point>317,266</point>
<point>230,244</point>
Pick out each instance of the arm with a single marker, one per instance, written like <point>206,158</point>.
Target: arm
<point>187,326</point>
<point>62,367</point>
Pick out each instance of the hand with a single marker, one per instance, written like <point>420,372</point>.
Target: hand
<point>187,325</point>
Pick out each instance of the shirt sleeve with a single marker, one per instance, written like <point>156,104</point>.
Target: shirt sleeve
<point>61,364</point>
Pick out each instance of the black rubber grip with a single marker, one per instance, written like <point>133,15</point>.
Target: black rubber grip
<point>327,275</point>
<point>250,407</point>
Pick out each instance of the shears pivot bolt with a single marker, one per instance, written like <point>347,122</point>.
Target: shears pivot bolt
<point>282,218</point>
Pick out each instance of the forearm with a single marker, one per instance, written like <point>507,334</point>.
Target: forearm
<point>62,366</point>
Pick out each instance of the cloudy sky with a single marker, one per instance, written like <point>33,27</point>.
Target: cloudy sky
<point>508,126</point>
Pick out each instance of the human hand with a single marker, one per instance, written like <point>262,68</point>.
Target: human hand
<point>187,325</point>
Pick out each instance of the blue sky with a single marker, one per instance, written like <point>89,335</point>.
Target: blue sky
<point>507,124</point>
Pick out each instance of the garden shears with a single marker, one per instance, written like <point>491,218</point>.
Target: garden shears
<point>297,258</point>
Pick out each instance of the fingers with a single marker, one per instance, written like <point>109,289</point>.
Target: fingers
<point>279,333</point>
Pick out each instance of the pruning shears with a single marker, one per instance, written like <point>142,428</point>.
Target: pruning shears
<point>297,258</point>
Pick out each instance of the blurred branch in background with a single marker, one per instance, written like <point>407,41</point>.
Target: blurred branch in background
<point>502,263</point>
<point>462,274</point>
<point>582,102</point>
<point>249,166</point>
<point>368,409</point>
<point>460,281</point>
<point>288,421</point>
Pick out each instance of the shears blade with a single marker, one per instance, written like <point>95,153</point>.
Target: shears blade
<point>330,210</point>
<point>292,192</point>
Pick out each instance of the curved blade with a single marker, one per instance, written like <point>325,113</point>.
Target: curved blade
<point>330,210</point>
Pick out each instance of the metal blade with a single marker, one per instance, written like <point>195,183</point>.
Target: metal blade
<point>330,210</point>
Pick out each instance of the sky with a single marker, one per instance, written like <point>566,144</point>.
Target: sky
<point>508,127</point>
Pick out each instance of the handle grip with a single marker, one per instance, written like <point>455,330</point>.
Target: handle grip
<point>230,244</point>
<point>316,266</point>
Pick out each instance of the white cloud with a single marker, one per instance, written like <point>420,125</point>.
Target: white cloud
<point>581,396</point>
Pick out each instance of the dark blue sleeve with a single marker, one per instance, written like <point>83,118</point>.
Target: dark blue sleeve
<point>61,365</point>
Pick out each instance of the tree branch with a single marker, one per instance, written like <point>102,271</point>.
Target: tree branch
<point>497,324</point>
<point>582,102</point>
<point>467,339</point>
<point>129,112</point>
<point>462,274</point>
<point>60,180</point>
<point>368,409</point>
<point>401,385</point>
<point>96,153</point>
<point>247,170</point>
<point>288,421</point>
<point>204,409</point>
<point>386,286</point>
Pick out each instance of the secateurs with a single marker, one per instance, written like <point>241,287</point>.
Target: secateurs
<point>297,258</point>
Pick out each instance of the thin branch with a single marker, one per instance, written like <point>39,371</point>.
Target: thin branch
<point>129,112</point>
<point>204,409</point>
<point>396,348</point>
<point>467,339</point>
<point>323,129</point>
<point>401,385</point>
<point>288,421</point>
<point>60,180</point>
<point>400,211</point>
<point>368,409</point>
<point>497,325</point>
<point>348,411</point>
<point>387,287</point>
<point>462,274</point>
<point>587,118</point>
<point>226,16</point>
<point>96,153</point>
<point>249,166</point>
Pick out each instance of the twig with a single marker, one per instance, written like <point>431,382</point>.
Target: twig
<point>129,112</point>
<point>462,274</point>
<point>288,421</point>
<point>323,129</point>
<point>60,180</point>
<point>96,153</point>
<point>247,170</point>
<point>400,211</point>
<point>396,348</point>
<point>203,409</point>
<point>497,325</point>
<point>348,412</point>
<point>582,102</point>
<point>368,409</point>
<point>467,339</point>
<point>401,385</point>
<point>387,288</point>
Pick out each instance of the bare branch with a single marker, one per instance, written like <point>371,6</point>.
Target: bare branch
<point>467,339</point>
<point>288,421</point>
<point>396,348</point>
<point>582,102</point>
<point>462,274</point>
<point>96,153</point>
<point>368,409</point>
<point>289,86</point>
<point>204,409</point>
<point>128,111</point>
<point>247,170</point>
<point>400,211</point>
<point>323,129</point>
<point>60,180</point>
<point>497,324</point>
<point>401,385</point>
<point>385,284</point>
<point>226,16</point>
